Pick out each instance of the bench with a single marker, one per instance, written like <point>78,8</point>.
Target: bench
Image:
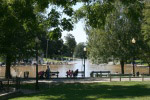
<point>80,73</point>
<point>53,74</point>
<point>100,73</point>
<point>120,76</point>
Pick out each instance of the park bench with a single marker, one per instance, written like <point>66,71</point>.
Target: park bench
<point>43,74</point>
<point>53,74</point>
<point>100,73</point>
<point>5,84</point>
<point>145,75</point>
<point>120,76</point>
<point>80,73</point>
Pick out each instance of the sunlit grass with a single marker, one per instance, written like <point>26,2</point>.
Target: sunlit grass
<point>91,91</point>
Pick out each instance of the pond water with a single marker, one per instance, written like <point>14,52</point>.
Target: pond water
<point>78,64</point>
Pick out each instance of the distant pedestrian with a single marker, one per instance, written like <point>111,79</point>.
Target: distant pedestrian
<point>48,72</point>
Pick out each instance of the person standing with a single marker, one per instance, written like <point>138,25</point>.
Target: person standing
<point>48,72</point>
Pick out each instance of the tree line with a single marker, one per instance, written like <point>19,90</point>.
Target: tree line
<point>111,25</point>
<point>24,20</point>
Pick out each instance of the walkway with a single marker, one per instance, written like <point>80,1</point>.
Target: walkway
<point>85,80</point>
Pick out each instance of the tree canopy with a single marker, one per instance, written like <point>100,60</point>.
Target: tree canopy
<point>23,20</point>
<point>71,44</point>
<point>79,52</point>
<point>111,25</point>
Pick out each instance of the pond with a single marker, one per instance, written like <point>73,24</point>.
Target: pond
<point>77,64</point>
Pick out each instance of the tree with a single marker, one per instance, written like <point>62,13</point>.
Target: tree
<point>111,25</point>
<point>70,43</point>
<point>79,52</point>
<point>17,30</point>
<point>22,21</point>
<point>54,46</point>
<point>145,54</point>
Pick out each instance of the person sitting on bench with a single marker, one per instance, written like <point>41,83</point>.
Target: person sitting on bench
<point>41,74</point>
<point>69,73</point>
<point>75,74</point>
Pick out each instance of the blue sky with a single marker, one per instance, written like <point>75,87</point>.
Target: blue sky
<point>78,32</point>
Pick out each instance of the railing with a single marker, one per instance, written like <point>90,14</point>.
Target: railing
<point>120,76</point>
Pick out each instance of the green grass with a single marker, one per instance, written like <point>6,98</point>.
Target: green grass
<point>90,91</point>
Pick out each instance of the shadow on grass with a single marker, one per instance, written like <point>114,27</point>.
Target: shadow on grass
<point>94,91</point>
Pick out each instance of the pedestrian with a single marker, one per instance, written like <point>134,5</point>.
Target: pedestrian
<point>48,72</point>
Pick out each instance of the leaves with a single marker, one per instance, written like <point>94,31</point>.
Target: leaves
<point>55,34</point>
<point>112,30</point>
<point>70,43</point>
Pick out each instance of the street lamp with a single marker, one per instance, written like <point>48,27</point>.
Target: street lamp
<point>84,59</point>
<point>47,50</point>
<point>133,42</point>
<point>37,41</point>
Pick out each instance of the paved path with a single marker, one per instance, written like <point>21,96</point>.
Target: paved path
<point>81,80</point>
<point>85,80</point>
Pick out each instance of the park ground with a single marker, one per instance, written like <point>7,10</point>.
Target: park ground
<point>86,91</point>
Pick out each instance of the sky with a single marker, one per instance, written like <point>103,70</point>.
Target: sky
<point>78,31</point>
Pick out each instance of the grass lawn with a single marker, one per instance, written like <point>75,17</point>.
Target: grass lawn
<point>90,91</point>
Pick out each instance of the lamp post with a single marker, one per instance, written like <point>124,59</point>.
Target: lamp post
<point>133,42</point>
<point>37,40</point>
<point>84,59</point>
<point>47,50</point>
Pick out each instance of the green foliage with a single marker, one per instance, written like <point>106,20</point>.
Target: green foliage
<point>145,55</point>
<point>54,47</point>
<point>18,27</point>
<point>23,20</point>
<point>79,52</point>
<point>70,43</point>
<point>111,25</point>
<point>95,13</point>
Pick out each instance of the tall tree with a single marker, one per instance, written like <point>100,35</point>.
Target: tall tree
<point>79,52</point>
<point>145,54</point>
<point>18,28</point>
<point>111,25</point>
<point>54,46</point>
<point>70,43</point>
<point>21,22</point>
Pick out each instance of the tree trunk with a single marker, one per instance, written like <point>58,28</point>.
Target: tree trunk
<point>122,66</point>
<point>149,68</point>
<point>8,64</point>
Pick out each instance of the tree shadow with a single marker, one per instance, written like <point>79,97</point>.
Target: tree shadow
<point>78,91</point>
